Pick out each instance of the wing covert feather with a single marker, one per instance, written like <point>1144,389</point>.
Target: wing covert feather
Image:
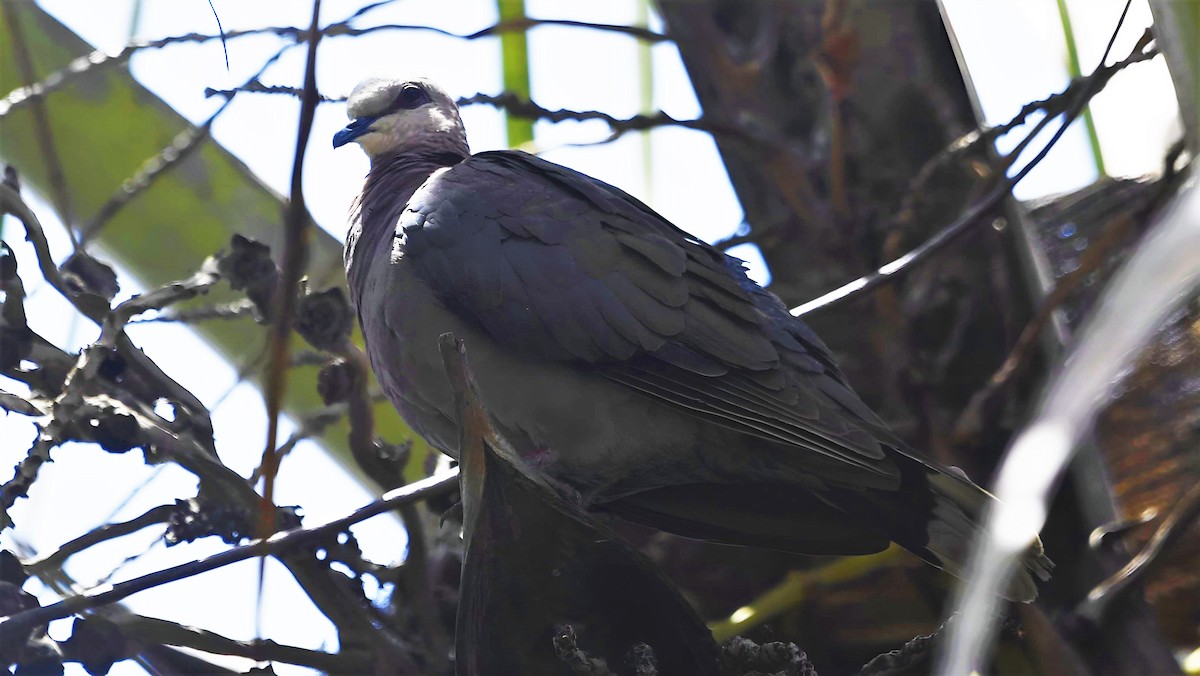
<point>564,267</point>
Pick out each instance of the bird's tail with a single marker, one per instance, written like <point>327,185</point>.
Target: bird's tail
<point>956,508</point>
<point>934,513</point>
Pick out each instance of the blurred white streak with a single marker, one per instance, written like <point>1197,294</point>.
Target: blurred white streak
<point>1160,273</point>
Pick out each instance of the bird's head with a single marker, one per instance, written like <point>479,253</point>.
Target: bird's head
<point>389,116</point>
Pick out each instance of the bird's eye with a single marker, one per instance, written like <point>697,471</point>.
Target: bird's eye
<point>411,97</point>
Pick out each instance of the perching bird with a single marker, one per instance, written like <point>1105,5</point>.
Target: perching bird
<point>624,358</point>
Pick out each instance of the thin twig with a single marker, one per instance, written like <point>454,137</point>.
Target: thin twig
<point>517,105</point>
<point>55,559</point>
<point>92,307</point>
<point>1185,511</point>
<point>190,444</point>
<point>970,421</point>
<point>365,449</point>
<point>30,93</point>
<point>41,127</point>
<point>309,425</point>
<point>141,368</point>
<point>182,147</point>
<point>522,107</point>
<point>1102,534</point>
<point>155,631</point>
<point>835,61</point>
<point>161,297</point>
<point>431,487</point>
<point>257,87</point>
<point>796,587</point>
<point>98,59</point>
<point>1133,306</point>
<point>132,558</point>
<point>507,26</point>
<point>347,611</point>
<point>24,474</point>
<point>973,215</point>
<point>16,404</point>
<point>221,32</point>
<point>237,309</point>
<point>295,259</point>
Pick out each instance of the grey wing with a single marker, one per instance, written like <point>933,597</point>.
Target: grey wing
<point>565,267</point>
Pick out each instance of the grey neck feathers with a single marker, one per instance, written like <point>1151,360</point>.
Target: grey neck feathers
<point>390,184</point>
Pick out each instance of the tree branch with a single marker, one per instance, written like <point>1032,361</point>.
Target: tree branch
<point>32,92</point>
<point>970,422</point>
<point>435,486</point>
<point>155,515</point>
<point>366,450</point>
<point>187,441</point>
<point>1185,511</point>
<point>184,144</point>
<point>41,127</point>
<point>234,310</point>
<point>295,260</point>
<point>155,631</point>
<point>508,26</point>
<point>1079,93</point>
<point>522,107</point>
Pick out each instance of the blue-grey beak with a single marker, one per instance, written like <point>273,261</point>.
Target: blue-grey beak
<point>353,130</point>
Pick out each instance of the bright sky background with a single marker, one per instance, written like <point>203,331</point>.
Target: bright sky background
<point>1014,48</point>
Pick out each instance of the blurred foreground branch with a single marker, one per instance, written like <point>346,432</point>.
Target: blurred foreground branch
<point>1155,278</point>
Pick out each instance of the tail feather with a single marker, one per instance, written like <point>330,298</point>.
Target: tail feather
<point>955,521</point>
<point>934,513</point>
<point>953,507</point>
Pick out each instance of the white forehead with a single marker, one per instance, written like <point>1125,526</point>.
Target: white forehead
<point>375,95</point>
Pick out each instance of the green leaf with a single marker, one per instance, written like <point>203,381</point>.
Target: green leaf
<point>1073,66</point>
<point>515,62</point>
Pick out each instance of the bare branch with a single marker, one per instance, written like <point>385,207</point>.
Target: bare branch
<point>32,92</point>
<point>970,422</point>
<point>90,305</point>
<point>41,127</point>
<point>184,144</point>
<point>159,298</point>
<point>434,486</point>
<point>1079,93</point>
<point>522,107</point>
<point>509,26</point>
<point>257,87</point>
<point>99,59</point>
<point>310,425</point>
<point>24,474</point>
<point>370,454</point>
<point>516,105</point>
<point>237,309</point>
<point>154,631</point>
<point>14,404</point>
<point>155,515</point>
<point>188,441</point>
<point>295,259</point>
<point>1182,515</point>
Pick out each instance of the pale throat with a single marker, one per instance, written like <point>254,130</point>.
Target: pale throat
<point>425,128</point>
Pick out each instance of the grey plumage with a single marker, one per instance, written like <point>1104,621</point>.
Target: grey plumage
<point>623,357</point>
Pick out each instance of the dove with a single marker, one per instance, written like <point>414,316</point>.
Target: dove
<point>628,362</point>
